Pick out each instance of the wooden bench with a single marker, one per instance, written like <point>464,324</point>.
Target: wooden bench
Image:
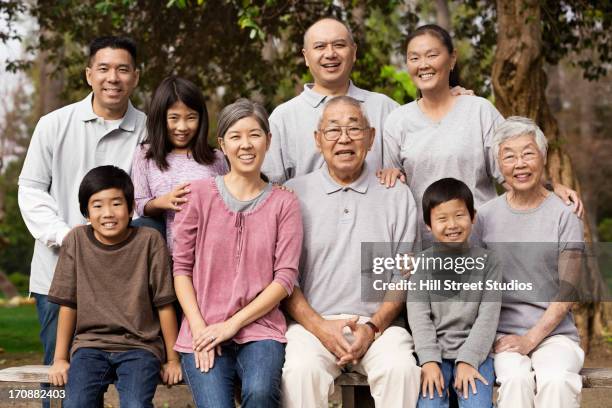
<point>353,385</point>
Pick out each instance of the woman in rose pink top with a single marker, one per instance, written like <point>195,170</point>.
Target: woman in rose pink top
<point>237,245</point>
<point>175,152</point>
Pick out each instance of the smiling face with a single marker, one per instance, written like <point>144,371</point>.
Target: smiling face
<point>344,156</point>
<point>182,125</point>
<point>112,77</point>
<point>330,53</point>
<point>245,144</point>
<point>521,163</point>
<point>429,63</point>
<point>451,222</point>
<point>108,213</point>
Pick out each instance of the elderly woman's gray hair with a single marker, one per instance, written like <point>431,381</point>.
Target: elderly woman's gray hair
<point>516,126</point>
<point>349,100</point>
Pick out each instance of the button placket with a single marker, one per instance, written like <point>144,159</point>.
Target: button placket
<point>346,210</point>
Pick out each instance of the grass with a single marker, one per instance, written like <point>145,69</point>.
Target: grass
<point>19,329</point>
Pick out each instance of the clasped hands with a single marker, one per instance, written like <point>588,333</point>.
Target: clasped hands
<point>207,340</point>
<point>331,334</point>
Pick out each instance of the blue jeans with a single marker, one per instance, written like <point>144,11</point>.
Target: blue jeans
<point>482,399</point>
<point>155,223</point>
<point>135,374</point>
<point>47,318</point>
<point>258,364</point>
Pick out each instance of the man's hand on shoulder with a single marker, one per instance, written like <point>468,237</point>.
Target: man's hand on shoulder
<point>459,90</point>
<point>283,187</point>
<point>389,176</point>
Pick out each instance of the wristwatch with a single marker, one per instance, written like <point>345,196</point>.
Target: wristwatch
<point>374,328</point>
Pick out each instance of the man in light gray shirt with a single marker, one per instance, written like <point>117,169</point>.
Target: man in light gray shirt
<point>330,52</point>
<point>104,128</point>
<point>343,206</point>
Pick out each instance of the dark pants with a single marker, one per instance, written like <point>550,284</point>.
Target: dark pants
<point>258,364</point>
<point>482,399</point>
<point>47,317</point>
<point>151,222</point>
<point>135,374</point>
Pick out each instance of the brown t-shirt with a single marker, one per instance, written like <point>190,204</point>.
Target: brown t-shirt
<point>115,289</point>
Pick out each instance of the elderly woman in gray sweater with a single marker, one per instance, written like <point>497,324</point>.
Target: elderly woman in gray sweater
<point>539,242</point>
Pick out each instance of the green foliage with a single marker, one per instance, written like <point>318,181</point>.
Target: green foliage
<point>404,90</point>
<point>19,329</point>
<point>604,229</point>
<point>10,11</point>
<point>219,43</point>
<point>575,25</point>
<point>379,42</point>
<point>575,28</point>
<point>16,255</point>
<point>243,47</point>
<point>21,282</point>
<point>247,18</point>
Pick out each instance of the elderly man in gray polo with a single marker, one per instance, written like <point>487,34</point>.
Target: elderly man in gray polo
<point>343,205</point>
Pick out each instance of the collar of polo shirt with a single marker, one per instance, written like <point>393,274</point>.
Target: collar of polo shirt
<point>360,185</point>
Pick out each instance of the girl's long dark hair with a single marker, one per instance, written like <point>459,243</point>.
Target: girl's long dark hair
<point>171,90</point>
<point>445,38</point>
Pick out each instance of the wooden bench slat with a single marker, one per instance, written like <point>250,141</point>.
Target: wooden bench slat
<point>596,377</point>
<point>26,374</point>
<point>591,377</point>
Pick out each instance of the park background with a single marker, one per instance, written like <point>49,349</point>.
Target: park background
<point>548,60</point>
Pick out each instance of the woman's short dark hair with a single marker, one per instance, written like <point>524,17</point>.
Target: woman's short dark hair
<point>122,43</point>
<point>171,90</point>
<point>102,178</point>
<point>444,190</point>
<point>445,38</point>
<point>242,108</point>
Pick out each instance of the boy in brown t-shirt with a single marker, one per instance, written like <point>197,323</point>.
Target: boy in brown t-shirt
<point>114,288</point>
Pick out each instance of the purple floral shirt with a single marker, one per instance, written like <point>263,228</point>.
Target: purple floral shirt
<point>151,182</point>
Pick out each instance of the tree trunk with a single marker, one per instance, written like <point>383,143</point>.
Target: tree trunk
<point>519,84</point>
<point>443,17</point>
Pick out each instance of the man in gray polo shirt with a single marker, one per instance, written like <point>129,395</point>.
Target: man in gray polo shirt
<point>343,205</point>
<point>330,52</point>
<point>104,128</point>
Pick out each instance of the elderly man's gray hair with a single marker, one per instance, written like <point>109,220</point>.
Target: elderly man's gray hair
<point>349,100</point>
<point>516,126</point>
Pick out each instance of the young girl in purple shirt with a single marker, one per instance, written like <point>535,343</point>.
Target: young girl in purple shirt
<point>175,152</point>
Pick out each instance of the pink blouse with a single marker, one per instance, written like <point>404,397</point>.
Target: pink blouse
<point>232,257</point>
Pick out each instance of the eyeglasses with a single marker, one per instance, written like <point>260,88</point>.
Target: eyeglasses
<point>510,159</point>
<point>334,133</point>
